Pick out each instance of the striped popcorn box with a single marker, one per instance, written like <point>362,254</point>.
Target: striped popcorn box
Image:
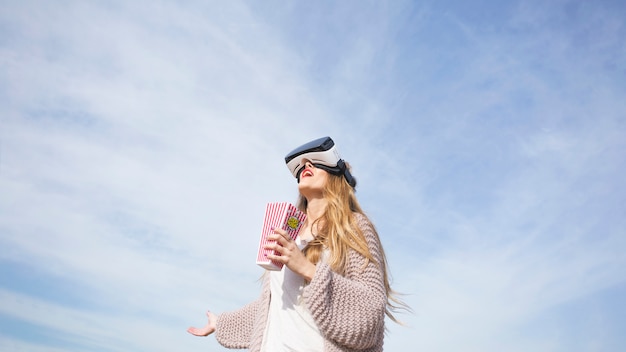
<point>278,215</point>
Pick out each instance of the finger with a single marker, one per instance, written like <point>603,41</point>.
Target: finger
<point>276,258</point>
<point>278,238</point>
<point>194,331</point>
<point>212,317</point>
<point>275,247</point>
<point>283,233</point>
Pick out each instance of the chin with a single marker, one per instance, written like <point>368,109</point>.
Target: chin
<point>309,190</point>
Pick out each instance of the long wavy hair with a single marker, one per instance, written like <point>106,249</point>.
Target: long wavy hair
<point>337,231</point>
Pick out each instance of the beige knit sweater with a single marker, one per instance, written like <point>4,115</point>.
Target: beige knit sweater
<point>348,309</point>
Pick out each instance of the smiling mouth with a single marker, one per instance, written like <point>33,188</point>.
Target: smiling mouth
<point>306,173</point>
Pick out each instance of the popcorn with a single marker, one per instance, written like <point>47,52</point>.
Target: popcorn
<point>278,215</point>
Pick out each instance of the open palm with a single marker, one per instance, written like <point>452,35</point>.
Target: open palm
<point>206,330</point>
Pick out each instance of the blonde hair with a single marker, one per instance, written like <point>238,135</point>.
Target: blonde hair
<point>337,231</point>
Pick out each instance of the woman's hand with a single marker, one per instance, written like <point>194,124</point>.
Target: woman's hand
<point>290,254</point>
<point>206,330</point>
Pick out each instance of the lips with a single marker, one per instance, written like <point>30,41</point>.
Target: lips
<point>306,173</point>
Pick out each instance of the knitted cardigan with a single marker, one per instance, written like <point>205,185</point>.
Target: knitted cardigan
<point>349,309</point>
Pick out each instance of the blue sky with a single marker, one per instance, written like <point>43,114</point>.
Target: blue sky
<point>140,142</point>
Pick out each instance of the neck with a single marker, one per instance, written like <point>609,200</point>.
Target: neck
<point>315,208</point>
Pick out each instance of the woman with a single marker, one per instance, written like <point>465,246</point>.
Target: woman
<point>333,292</point>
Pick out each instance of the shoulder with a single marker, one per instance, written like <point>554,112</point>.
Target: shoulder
<point>364,223</point>
<point>367,231</point>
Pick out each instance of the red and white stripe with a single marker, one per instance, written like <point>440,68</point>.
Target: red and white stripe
<point>276,216</point>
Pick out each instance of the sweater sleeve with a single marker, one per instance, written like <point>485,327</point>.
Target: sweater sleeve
<point>239,329</point>
<point>349,309</point>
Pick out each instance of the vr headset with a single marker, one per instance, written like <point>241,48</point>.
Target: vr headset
<point>323,155</point>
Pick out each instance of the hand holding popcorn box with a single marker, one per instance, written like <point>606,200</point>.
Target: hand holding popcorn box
<point>281,216</point>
